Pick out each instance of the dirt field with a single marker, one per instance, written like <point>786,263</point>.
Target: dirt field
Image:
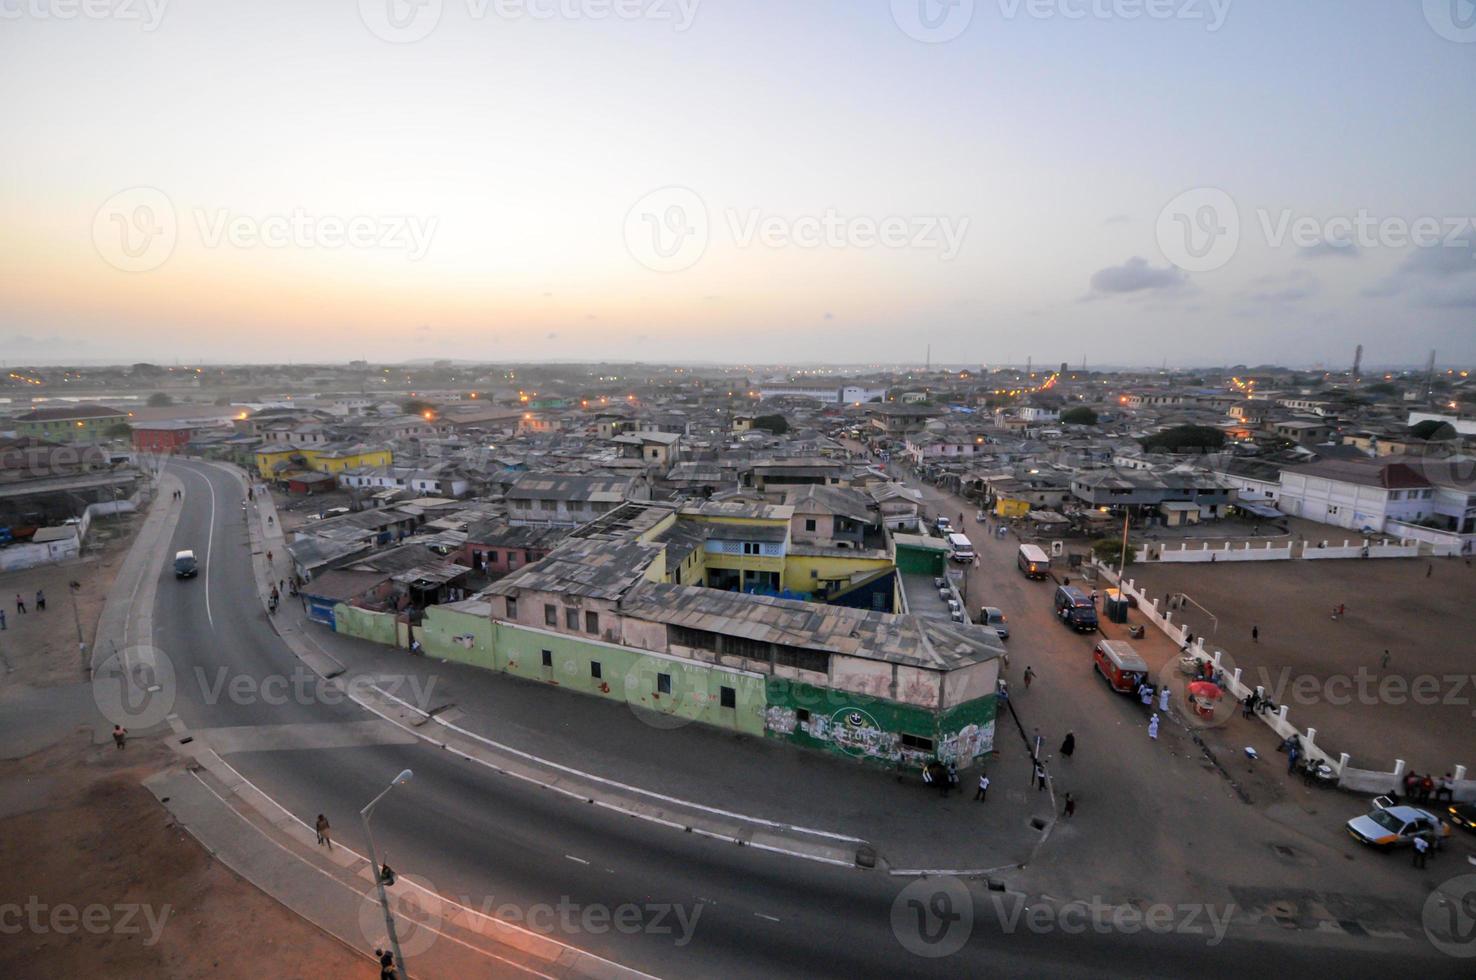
<point>1421,707</point>
<point>90,856</point>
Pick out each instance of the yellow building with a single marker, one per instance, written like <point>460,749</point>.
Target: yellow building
<point>274,464</point>
<point>1011,507</point>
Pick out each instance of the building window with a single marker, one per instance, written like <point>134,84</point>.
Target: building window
<point>571,619</point>
<point>727,697</point>
<point>815,660</point>
<point>512,607</point>
<point>550,614</point>
<point>663,683</point>
<point>750,547</point>
<point>592,623</point>
<point>492,557</point>
<point>694,638</point>
<point>548,658</point>
<point>595,670</point>
<point>917,742</point>
<point>810,525</point>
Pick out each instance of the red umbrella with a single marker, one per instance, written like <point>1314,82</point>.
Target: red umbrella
<point>1206,690</point>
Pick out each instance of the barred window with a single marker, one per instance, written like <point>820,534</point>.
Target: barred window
<point>742,646</point>
<point>816,660</point>
<point>688,637</point>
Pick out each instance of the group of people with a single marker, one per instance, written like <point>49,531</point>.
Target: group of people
<point>20,602</point>
<point>1428,789</point>
<point>1147,692</point>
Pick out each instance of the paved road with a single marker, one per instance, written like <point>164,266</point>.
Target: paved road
<point>490,841</point>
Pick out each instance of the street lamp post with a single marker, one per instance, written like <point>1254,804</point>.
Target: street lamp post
<point>389,920</point>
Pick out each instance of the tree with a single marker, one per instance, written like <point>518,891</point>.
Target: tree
<point>1185,438</point>
<point>777,424</point>
<point>1432,429</point>
<point>1080,415</point>
<point>159,400</point>
<point>118,430</point>
<point>1108,551</point>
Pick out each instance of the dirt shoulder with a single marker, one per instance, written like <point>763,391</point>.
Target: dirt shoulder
<point>98,879</point>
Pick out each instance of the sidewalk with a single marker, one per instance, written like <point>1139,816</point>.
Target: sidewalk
<point>750,790</point>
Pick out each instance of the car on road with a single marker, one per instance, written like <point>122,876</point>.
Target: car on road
<point>184,564</point>
<point>1033,561</point>
<point>1463,815</point>
<point>1076,609</point>
<point>994,616</point>
<point>1387,827</point>
<point>944,525</point>
<point>982,516</point>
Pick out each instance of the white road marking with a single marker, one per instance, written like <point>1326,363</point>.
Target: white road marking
<point>769,917</point>
<point>573,858</point>
<point>209,540</point>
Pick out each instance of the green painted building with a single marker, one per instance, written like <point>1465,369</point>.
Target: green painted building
<point>70,423</point>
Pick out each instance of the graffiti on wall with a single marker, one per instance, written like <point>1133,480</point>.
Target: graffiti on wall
<point>967,743</point>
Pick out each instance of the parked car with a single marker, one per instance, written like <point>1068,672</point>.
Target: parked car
<point>1120,665</point>
<point>1389,826</point>
<point>1463,815</point>
<point>184,564</point>
<point>994,616</point>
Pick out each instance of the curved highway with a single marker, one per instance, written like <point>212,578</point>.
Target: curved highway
<point>488,841</point>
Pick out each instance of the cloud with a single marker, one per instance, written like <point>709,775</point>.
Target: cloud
<point>1330,249</point>
<point>1136,276</point>
<point>1290,288</point>
<point>1439,277</point>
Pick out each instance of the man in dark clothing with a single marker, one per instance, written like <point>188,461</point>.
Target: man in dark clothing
<point>40,601</point>
<point>120,735</point>
<point>1070,805</point>
<point>1255,634</point>
<point>1068,745</point>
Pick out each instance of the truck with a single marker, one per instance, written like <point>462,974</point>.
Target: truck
<point>962,548</point>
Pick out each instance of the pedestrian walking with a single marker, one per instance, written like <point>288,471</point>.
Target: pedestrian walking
<point>1445,788</point>
<point>1429,569</point>
<point>1421,850</point>
<point>1145,695</point>
<point>324,832</point>
<point>387,969</point>
<point>1094,597</point>
<point>120,735</point>
<point>1292,755</point>
<point>40,601</point>
<point>269,557</point>
<point>20,604</point>
<point>1029,676</point>
<point>1383,661</point>
<point>1248,705</point>
<point>1153,728</point>
<point>1163,699</point>
<point>1040,777</point>
<point>1342,609</point>
<point>1068,745</point>
<point>1070,805</point>
<point>983,788</point>
<point>1255,634</point>
<point>2,619</point>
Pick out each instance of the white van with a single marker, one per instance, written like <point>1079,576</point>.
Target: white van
<point>1033,561</point>
<point>962,547</point>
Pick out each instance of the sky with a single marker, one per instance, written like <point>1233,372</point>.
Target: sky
<point>1108,181</point>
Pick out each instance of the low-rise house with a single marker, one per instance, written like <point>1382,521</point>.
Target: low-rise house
<point>567,499</point>
<point>80,423</point>
<point>1356,494</point>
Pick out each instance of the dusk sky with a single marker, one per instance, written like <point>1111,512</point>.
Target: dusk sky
<point>838,180</point>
